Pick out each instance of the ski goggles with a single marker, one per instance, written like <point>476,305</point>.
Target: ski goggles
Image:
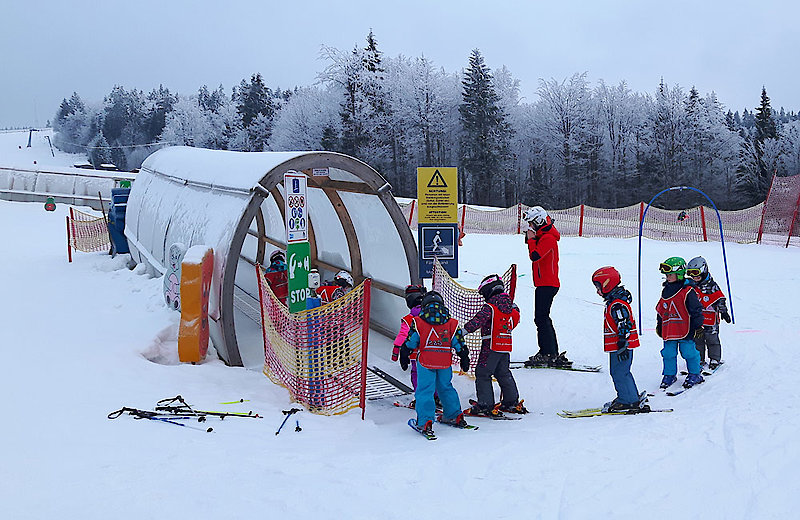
<point>693,272</point>
<point>666,268</point>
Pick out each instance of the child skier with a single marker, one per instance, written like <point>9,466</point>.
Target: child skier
<point>414,294</point>
<point>433,334</point>
<point>620,337</point>
<point>679,320</point>
<point>496,319</point>
<point>714,306</point>
<point>341,285</point>
<point>277,275</point>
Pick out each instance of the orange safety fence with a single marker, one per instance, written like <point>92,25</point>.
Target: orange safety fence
<point>87,233</point>
<point>320,354</point>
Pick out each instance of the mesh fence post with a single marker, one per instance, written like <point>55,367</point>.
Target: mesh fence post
<point>580,224</point>
<point>365,346</point>
<point>69,246</point>
<point>703,222</point>
<point>411,213</point>
<point>794,219</point>
<point>519,218</point>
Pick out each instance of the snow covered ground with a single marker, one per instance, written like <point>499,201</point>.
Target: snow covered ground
<point>77,340</point>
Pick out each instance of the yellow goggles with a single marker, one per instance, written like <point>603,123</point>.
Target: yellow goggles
<point>666,268</point>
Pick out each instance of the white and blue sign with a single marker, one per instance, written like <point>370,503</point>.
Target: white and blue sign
<point>438,241</point>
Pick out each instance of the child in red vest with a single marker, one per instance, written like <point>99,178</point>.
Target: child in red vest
<point>341,285</point>
<point>434,334</point>
<point>714,306</point>
<point>620,337</point>
<point>679,320</point>
<point>496,319</point>
<point>277,276</point>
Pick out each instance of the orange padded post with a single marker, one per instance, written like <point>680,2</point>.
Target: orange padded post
<point>196,270</point>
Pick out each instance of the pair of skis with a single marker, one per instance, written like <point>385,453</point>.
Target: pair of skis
<point>707,372</point>
<point>432,436</point>
<point>572,368</point>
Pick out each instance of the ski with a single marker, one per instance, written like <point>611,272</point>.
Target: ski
<point>413,424</point>
<point>706,371</point>
<point>411,406</point>
<point>573,368</point>
<point>593,412</point>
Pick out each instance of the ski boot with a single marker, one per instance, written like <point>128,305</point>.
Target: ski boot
<point>693,379</point>
<point>560,361</point>
<point>538,360</point>
<point>459,421</point>
<point>480,411</point>
<point>667,381</point>
<point>514,408</point>
<point>714,364</point>
<point>427,429</point>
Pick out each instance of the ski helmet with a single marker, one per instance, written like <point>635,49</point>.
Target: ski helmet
<point>431,297</point>
<point>605,279</point>
<point>490,286</point>
<point>414,294</point>
<point>343,279</point>
<point>673,264</point>
<point>536,216</point>
<point>697,267</point>
<point>277,255</point>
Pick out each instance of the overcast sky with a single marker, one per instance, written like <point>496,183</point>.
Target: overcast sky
<point>48,48</point>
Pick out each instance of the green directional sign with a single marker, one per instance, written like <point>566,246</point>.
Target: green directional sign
<point>298,259</point>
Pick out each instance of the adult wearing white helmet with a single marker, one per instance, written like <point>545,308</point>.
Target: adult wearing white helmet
<point>542,241</point>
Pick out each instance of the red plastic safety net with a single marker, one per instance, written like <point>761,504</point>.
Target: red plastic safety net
<point>87,233</point>
<point>464,303</point>
<point>781,210</point>
<point>319,355</point>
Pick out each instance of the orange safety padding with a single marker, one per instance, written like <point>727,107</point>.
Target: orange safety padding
<point>195,288</point>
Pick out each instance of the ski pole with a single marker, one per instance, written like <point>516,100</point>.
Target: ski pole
<point>297,428</point>
<point>287,413</point>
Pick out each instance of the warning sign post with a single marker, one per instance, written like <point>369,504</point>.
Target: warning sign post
<point>437,232</point>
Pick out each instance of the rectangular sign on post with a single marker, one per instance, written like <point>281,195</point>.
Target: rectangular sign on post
<point>437,230</point>
<point>298,250</point>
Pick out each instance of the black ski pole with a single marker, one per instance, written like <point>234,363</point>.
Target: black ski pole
<point>297,428</point>
<point>288,414</point>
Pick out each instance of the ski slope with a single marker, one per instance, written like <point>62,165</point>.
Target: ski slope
<point>84,339</point>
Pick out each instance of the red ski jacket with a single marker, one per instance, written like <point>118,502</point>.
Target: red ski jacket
<point>544,248</point>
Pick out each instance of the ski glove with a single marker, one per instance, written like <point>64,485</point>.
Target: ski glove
<point>699,333</point>
<point>658,329</point>
<point>623,355</point>
<point>464,355</point>
<point>405,358</point>
<point>726,317</point>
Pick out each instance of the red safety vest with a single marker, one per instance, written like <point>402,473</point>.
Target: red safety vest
<point>611,331</point>
<point>502,325</point>
<point>279,282</point>
<point>674,315</point>
<point>325,292</point>
<point>710,314</point>
<point>435,343</point>
<point>407,319</point>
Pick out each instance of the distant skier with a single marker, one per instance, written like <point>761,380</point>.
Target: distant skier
<point>679,320</point>
<point>496,319</point>
<point>433,334</point>
<point>542,240</point>
<point>620,337</point>
<point>714,306</point>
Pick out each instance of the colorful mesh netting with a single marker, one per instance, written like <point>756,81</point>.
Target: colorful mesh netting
<point>87,233</point>
<point>464,303</point>
<point>319,355</point>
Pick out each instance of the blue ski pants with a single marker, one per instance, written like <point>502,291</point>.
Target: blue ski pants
<point>688,352</point>
<point>440,381</point>
<point>627,392</point>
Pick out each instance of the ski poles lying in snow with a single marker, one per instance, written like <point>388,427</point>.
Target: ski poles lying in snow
<point>183,408</point>
<point>156,416</point>
<point>288,413</point>
<point>174,409</point>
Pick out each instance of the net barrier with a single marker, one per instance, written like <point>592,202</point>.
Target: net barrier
<point>87,233</point>
<point>319,355</point>
<point>464,303</point>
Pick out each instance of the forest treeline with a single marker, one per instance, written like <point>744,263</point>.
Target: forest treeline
<point>602,145</point>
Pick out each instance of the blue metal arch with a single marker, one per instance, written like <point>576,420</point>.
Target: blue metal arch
<point>722,241</point>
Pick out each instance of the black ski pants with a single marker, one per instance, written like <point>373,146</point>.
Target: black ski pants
<point>545,333</point>
<point>495,364</point>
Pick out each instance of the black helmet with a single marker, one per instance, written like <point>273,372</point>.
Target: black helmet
<point>432,297</point>
<point>414,294</point>
<point>490,286</point>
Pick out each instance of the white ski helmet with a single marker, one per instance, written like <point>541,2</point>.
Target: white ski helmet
<point>536,215</point>
<point>343,279</point>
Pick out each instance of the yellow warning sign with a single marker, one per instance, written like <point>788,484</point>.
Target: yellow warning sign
<point>437,194</point>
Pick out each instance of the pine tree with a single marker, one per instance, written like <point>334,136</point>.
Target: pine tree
<point>484,142</point>
<point>764,122</point>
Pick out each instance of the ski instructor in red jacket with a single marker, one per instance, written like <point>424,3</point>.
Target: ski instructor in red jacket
<point>542,240</point>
